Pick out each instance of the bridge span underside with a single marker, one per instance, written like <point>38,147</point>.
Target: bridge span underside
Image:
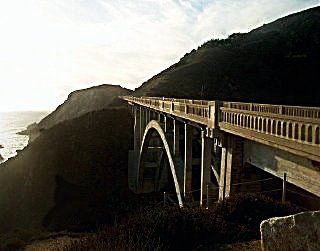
<point>201,150</point>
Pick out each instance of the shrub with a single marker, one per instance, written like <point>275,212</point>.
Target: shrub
<point>156,227</point>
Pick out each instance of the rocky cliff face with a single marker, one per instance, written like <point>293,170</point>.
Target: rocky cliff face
<point>83,101</point>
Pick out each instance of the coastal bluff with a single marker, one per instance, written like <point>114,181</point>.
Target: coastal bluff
<point>75,167</point>
<point>79,103</point>
<point>70,176</point>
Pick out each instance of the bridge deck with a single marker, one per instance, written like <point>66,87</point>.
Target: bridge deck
<point>292,128</point>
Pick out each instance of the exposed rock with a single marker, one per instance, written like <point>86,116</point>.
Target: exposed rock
<point>32,131</point>
<point>294,232</point>
<point>32,127</point>
<point>1,146</point>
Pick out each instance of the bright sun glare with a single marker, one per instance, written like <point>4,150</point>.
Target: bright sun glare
<point>50,48</point>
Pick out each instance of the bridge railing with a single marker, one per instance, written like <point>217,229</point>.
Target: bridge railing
<point>293,127</point>
<point>291,122</point>
<point>294,111</point>
<point>299,134</point>
<point>281,126</point>
<point>200,111</point>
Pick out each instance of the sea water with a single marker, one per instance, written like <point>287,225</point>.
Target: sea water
<point>10,124</point>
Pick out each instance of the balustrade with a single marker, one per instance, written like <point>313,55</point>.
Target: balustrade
<point>197,108</point>
<point>284,127</point>
<point>294,111</point>
<point>301,124</point>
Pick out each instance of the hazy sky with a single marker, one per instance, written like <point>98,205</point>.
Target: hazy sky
<point>49,48</point>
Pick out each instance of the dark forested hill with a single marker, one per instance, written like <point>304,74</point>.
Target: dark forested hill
<point>276,63</point>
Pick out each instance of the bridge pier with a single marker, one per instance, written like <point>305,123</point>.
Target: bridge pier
<point>206,146</point>
<point>142,122</point>
<point>188,135</point>
<point>176,138</point>
<point>165,124</point>
<point>137,129</point>
<point>231,170</point>
<point>147,116</point>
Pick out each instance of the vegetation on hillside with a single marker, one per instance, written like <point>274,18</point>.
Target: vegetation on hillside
<point>276,63</point>
<point>172,228</point>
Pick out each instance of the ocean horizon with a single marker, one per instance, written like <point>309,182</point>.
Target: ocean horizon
<point>10,124</point>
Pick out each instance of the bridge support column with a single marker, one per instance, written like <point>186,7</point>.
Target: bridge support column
<point>165,124</point>
<point>231,165</point>
<point>223,168</point>
<point>188,134</point>
<point>176,137</point>
<point>133,156</point>
<point>137,130</point>
<point>206,146</point>
<point>154,115</point>
<point>142,122</point>
<point>148,116</point>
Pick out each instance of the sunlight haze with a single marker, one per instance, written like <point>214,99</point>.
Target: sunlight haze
<point>50,48</point>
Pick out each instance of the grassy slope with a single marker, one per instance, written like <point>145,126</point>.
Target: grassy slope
<point>276,63</point>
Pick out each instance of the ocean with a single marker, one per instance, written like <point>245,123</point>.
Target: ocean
<point>10,124</point>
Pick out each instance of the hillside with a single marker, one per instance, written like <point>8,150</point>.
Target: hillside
<point>82,101</point>
<point>78,103</point>
<point>276,63</point>
<point>71,177</point>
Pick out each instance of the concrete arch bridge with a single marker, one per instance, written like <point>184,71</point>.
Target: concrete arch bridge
<point>197,148</point>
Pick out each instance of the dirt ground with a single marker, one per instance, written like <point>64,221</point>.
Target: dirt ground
<point>243,246</point>
<point>57,244</point>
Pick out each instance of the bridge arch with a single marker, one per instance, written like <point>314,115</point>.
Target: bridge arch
<point>152,126</point>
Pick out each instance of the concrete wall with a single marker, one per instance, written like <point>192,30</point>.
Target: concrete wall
<point>300,171</point>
